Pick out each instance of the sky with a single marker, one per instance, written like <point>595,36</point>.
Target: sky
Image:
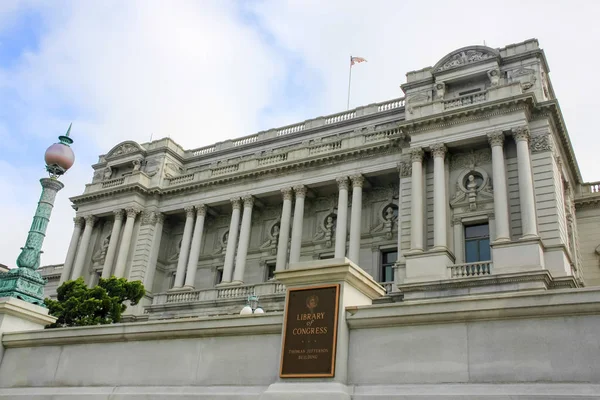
<point>204,71</point>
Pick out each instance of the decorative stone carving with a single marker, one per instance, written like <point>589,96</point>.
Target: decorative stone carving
<point>473,188</point>
<point>463,57</point>
<point>201,210</point>
<point>149,217</point>
<point>494,75</point>
<point>521,133</point>
<point>107,173</point>
<point>525,76</point>
<point>236,203</point>
<point>342,183</point>
<point>471,159</point>
<point>404,169</point>
<point>300,191</point>
<point>326,230</point>
<point>137,165</point>
<point>388,217</point>
<point>189,211</point>
<point>439,150</point>
<point>540,143</point>
<point>90,220</point>
<point>132,212</point>
<point>272,238</point>
<point>416,154</point>
<point>496,138</point>
<point>175,255</point>
<point>287,193</point>
<point>100,255</point>
<point>456,220</point>
<point>357,180</point>
<point>125,148</point>
<point>440,90</point>
<point>119,214</point>
<point>248,201</point>
<point>79,222</point>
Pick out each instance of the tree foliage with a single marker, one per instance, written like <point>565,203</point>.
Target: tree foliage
<point>78,305</point>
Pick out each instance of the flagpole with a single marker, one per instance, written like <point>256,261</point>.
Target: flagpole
<point>349,81</point>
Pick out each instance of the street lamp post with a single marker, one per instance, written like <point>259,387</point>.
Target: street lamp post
<point>25,282</point>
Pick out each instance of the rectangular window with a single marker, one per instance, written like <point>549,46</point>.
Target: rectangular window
<point>477,243</point>
<point>386,268</point>
<point>270,271</point>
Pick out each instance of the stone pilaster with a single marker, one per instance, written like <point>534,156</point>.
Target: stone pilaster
<point>234,226</point>
<point>121,263</point>
<point>496,140</point>
<point>112,245</point>
<point>356,218</point>
<point>284,231</point>
<point>242,250</point>
<point>184,251</point>
<point>417,201</point>
<point>342,218</point>
<point>157,222</point>
<point>69,261</point>
<point>192,266</point>
<point>296,245</point>
<point>141,261</point>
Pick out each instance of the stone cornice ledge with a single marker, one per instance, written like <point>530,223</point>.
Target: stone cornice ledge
<point>270,323</point>
<point>496,306</point>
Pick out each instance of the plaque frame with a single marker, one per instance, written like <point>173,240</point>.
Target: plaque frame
<point>335,331</point>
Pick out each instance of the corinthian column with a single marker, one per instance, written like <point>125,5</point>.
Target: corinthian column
<point>234,226</point>
<point>192,266</point>
<point>284,231</point>
<point>526,193</point>
<point>355,220</point>
<point>439,198</point>
<point>496,140</point>
<point>342,218</point>
<point>112,245</point>
<point>90,220</point>
<point>296,245</point>
<point>184,251</point>
<point>416,200</point>
<point>66,272</point>
<point>242,251</point>
<point>125,242</point>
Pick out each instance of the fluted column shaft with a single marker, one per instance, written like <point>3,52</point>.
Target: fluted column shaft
<point>440,229</point>
<point>356,218</point>
<point>234,227</point>
<point>112,245</point>
<point>184,251</point>
<point>242,251</point>
<point>342,218</point>
<point>68,267</point>
<point>296,245</point>
<point>526,191</point>
<point>496,140</point>
<point>284,231</point>
<point>90,220</point>
<point>125,242</point>
<point>192,265</point>
<point>416,200</point>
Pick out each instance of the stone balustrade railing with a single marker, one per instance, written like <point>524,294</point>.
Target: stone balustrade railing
<point>290,129</point>
<point>471,269</point>
<point>204,150</point>
<point>181,179</point>
<point>590,188</point>
<point>345,116</point>
<point>136,177</point>
<point>390,105</point>
<point>388,286</point>
<point>232,292</point>
<point>112,183</point>
<point>465,100</point>
<point>245,140</point>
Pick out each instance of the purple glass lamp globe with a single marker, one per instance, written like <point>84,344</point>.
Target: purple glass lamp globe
<point>59,157</point>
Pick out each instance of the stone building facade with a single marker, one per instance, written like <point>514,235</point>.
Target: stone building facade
<point>466,184</point>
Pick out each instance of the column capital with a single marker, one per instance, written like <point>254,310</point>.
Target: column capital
<point>439,150</point>
<point>357,180</point>
<point>90,220</point>
<point>404,169</point>
<point>416,154</point>
<point>119,214</point>
<point>496,138</point>
<point>248,201</point>
<point>287,193</point>
<point>132,212</point>
<point>79,222</point>
<point>236,203</point>
<point>189,211</point>
<point>456,220</point>
<point>149,217</point>
<point>521,133</point>
<point>300,191</point>
<point>342,182</point>
<point>200,210</point>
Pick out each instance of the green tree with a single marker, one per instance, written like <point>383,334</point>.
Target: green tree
<point>78,305</point>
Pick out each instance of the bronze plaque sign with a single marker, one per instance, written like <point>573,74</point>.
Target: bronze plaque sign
<point>310,332</point>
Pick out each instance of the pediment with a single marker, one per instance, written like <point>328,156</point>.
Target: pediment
<point>465,56</point>
<point>125,148</point>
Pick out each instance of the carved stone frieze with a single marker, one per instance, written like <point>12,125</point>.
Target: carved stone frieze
<point>471,159</point>
<point>540,143</point>
<point>125,148</point>
<point>464,57</point>
<point>149,217</point>
<point>404,169</point>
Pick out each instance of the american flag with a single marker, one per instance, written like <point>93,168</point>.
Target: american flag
<point>356,60</point>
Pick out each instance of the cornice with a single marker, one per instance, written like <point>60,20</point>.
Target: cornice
<point>587,202</point>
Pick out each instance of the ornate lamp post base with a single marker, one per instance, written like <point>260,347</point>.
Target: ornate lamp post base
<point>23,283</point>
